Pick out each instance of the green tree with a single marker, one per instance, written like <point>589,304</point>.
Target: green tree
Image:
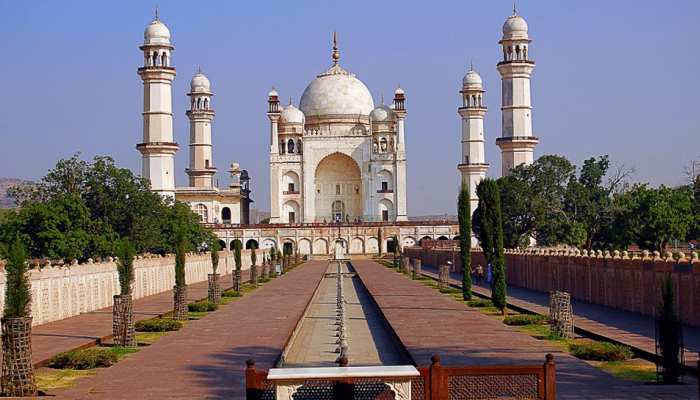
<point>180,250</point>
<point>18,295</point>
<point>237,260</point>
<point>215,249</point>
<point>253,254</point>
<point>379,241</point>
<point>125,265</point>
<point>465,234</point>
<point>491,238</point>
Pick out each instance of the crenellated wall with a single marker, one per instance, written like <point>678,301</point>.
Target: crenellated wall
<point>631,283</point>
<point>63,291</point>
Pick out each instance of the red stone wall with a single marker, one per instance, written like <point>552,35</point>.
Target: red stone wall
<point>624,283</point>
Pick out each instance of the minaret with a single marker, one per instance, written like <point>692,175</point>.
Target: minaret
<point>517,142</point>
<point>273,112</point>
<point>400,186</point>
<point>201,170</point>
<point>158,147</point>
<point>473,165</point>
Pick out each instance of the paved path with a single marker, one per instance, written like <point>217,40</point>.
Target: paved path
<point>632,329</point>
<point>206,359</point>
<point>369,341</point>
<point>87,329</point>
<point>428,323</point>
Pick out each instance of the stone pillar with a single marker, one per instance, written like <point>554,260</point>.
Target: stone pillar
<point>417,268</point>
<point>444,277</point>
<point>561,316</point>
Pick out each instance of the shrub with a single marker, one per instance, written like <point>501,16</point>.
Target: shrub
<point>525,319</point>
<point>158,325</point>
<point>480,303</point>
<point>231,293</point>
<point>600,351</point>
<point>94,357</point>
<point>202,306</point>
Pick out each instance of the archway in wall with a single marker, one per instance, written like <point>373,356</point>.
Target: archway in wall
<point>340,249</point>
<point>320,246</point>
<point>386,210</point>
<point>338,189</point>
<point>357,246</point>
<point>408,241</point>
<point>288,248</point>
<point>233,244</point>
<point>420,242</point>
<point>222,245</point>
<point>226,215</point>
<point>372,246</point>
<point>391,245</point>
<point>252,244</point>
<point>290,212</point>
<point>443,238</point>
<point>268,243</point>
<point>304,246</point>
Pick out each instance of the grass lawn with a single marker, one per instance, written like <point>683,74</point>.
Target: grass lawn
<point>147,338</point>
<point>122,352</point>
<point>635,369</point>
<point>196,314</point>
<point>49,379</point>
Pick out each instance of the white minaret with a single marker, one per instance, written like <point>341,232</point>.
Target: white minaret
<point>273,112</point>
<point>158,147</point>
<point>400,184</point>
<point>201,170</point>
<point>516,142</point>
<point>473,165</point>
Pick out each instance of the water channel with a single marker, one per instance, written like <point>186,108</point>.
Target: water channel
<point>342,319</point>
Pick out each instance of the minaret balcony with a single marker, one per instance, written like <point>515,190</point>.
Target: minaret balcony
<point>158,148</point>
<point>200,171</point>
<point>517,142</point>
<point>473,167</point>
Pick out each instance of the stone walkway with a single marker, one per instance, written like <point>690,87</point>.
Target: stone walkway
<point>632,329</point>
<point>86,330</point>
<point>206,359</point>
<point>428,323</point>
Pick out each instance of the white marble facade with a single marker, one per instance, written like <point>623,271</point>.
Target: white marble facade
<point>337,156</point>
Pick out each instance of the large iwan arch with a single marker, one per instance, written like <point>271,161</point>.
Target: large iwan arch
<point>337,189</point>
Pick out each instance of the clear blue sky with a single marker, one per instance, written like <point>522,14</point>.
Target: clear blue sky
<point>613,77</point>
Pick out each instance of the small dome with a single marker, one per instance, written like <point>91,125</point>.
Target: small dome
<point>156,33</point>
<point>472,80</point>
<point>382,113</point>
<point>272,92</point>
<point>200,83</point>
<point>515,27</point>
<point>292,115</point>
<point>399,90</point>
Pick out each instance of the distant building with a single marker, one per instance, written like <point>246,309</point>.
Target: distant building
<point>337,157</point>
<point>211,203</point>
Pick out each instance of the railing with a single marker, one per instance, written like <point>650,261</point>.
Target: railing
<point>290,192</point>
<point>436,382</point>
<point>385,191</point>
<point>363,223</point>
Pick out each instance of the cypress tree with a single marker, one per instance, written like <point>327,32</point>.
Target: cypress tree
<point>125,265</point>
<point>237,261</point>
<point>18,296</point>
<point>215,248</point>
<point>492,239</point>
<point>180,250</point>
<point>465,234</point>
<point>379,241</point>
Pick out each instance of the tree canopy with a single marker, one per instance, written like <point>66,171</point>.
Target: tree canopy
<point>556,203</point>
<point>81,209</point>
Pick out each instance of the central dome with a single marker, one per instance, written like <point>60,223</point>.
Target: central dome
<point>336,92</point>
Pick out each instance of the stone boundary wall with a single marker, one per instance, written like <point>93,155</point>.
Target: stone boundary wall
<point>614,280</point>
<point>60,292</point>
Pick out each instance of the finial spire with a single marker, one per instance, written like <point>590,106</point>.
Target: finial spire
<point>290,100</point>
<point>157,17</point>
<point>382,98</point>
<point>336,53</point>
<point>199,69</point>
<point>515,7</point>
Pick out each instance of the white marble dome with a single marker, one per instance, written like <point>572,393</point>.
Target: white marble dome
<point>472,80</point>
<point>200,83</point>
<point>272,93</point>
<point>156,34</point>
<point>514,28</point>
<point>382,113</point>
<point>292,115</point>
<point>336,92</point>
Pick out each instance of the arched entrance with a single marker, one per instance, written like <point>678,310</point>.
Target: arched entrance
<point>288,248</point>
<point>337,189</point>
<point>251,244</point>
<point>340,249</point>
<point>226,215</point>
